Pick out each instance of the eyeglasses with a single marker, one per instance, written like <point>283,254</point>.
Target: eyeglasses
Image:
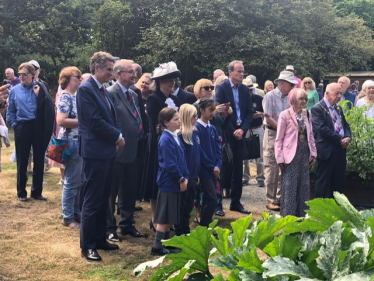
<point>307,82</point>
<point>131,72</point>
<point>77,76</point>
<point>23,73</point>
<point>207,88</point>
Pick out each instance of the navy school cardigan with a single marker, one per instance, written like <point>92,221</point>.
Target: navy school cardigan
<point>172,163</point>
<point>192,154</point>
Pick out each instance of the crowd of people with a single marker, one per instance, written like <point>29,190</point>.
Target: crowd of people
<point>134,136</point>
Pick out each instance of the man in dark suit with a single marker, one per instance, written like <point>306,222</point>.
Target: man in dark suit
<point>183,96</point>
<point>234,92</point>
<point>99,139</point>
<point>126,162</point>
<point>345,83</point>
<point>332,135</point>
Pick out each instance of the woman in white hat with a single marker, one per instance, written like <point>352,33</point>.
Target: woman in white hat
<point>164,77</point>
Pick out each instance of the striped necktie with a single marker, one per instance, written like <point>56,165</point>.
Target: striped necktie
<point>136,115</point>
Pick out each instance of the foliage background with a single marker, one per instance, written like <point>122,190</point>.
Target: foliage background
<point>315,36</point>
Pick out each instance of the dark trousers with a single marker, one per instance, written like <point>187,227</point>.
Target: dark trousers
<point>208,188</point>
<point>331,173</point>
<point>24,135</point>
<point>232,175</point>
<point>96,193</point>
<point>125,186</point>
<point>187,198</point>
<point>142,146</point>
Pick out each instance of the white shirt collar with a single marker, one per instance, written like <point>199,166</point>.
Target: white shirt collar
<point>171,133</point>
<point>203,123</point>
<point>97,82</point>
<point>123,88</point>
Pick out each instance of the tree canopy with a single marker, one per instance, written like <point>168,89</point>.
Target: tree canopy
<point>315,36</point>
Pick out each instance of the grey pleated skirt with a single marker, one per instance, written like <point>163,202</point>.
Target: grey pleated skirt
<point>168,207</point>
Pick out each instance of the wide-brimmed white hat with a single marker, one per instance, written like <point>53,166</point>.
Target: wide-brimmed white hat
<point>35,63</point>
<point>248,82</point>
<point>290,67</point>
<point>166,71</point>
<point>286,76</point>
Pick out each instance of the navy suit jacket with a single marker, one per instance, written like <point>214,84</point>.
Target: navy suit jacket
<point>99,128</point>
<point>224,94</point>
<point>185,97</point>
<point>324,133</point>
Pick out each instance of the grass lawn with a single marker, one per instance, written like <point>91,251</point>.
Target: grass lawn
<point>34,245</point>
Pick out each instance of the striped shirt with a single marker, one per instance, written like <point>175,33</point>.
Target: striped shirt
<point>274,104</point>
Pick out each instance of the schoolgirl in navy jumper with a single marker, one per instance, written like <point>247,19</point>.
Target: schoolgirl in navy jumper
<point>211,159</point>
<point>188,135</point>
<point>172,177</point>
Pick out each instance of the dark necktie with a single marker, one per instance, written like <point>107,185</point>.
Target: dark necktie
<point>104,95</point>
<point>136,115</point>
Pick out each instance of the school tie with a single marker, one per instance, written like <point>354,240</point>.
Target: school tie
<point>136,115</point>
<point>104,95</point>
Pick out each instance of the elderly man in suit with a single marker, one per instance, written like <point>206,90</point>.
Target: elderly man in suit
<point>99,138</point>
<point>234,92</point>
<point>345,83</point>
<point>332,135</point>
<point>126,163</point>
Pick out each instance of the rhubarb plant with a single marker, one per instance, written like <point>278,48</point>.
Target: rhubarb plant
<point>333,242</point>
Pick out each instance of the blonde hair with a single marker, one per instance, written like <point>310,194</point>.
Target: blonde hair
<point>201,83</point>
<point>306,79</point>
<point>152,86</point>
<point>266,85</point>
<point>186,113</point>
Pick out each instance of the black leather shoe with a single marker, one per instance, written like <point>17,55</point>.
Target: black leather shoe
<point>239,208</point>
<point>137,209</point>
<point>160,252</point>
<point>134,233</point>
<point>23,199</point>
<point>244,182</point>
<point>106,246</point>
<point>113,237</point>
<point>41,198</point>
<point>91,255</point>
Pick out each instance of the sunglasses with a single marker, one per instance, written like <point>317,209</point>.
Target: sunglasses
<point>307,82</point>
<point>23,73</point>
<point>207,88</point>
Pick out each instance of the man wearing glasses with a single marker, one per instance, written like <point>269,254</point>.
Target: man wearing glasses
<point>31,114</point>
<point>236,94</point>
<point>274,103</point>
<point>126,165</point>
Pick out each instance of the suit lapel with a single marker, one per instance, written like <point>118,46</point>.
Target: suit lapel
<point>230,94</point>
<point>328,116</point>
<point>121,95</point>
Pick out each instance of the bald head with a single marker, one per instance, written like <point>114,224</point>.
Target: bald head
<point>9,73</point>
<point>217,73</point>
<point>333,93</point>
<point>344,83</point>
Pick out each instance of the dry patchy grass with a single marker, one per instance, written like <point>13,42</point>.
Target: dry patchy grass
<point>35,246</point>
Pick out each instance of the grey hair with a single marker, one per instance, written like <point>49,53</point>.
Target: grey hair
<point>11,70</point>
<point>100,59</point>
<point>119,66</point>
<point>252,77</point>
<point>367,84</point>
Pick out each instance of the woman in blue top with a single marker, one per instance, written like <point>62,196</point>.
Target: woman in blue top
<point>211,159</point>
<point>189,137</point>
<point>172,177</point>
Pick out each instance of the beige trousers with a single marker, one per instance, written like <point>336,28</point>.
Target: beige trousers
<point>272,176</point>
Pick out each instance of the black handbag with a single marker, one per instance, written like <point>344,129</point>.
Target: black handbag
<point>227,155</point>
<point>252,147</point>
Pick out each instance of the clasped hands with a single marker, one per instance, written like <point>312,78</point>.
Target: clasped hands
<point>238,134</point>
<point>345,142</point>
<point>216,172</point>
<point>120,143</point>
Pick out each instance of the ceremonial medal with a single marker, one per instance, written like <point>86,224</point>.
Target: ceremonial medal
<point>301,137</point>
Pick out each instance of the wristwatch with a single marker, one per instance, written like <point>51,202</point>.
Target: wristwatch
<point>182,180</point>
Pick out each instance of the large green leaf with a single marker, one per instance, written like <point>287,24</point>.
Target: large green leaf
<point>143,266</point>
<point>309,253</point>
<point>370,234</point>
<point>222,243</point>
<point>278,266</point>
<point>355,218</point>
<point>367,275</point>
<point>329,251</point>
<point>280,246</point>
<point>248,259</point>
<point>249,275</point>
<point>367,214</point>
<point>182,272</point>
<point>196,247</point>
<point>263,232</point>
<point>226,262</point>
<point>239,228</point>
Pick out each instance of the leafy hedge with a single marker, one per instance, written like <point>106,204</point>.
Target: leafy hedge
<point>333,242</point>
